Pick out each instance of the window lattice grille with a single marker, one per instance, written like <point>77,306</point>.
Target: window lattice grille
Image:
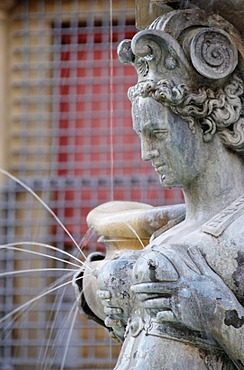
<point>68,117</point>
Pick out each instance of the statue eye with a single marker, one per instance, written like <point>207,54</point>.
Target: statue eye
<point>160,134</point>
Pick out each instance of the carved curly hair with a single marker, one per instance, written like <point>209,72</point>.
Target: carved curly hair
<point>216,111</point>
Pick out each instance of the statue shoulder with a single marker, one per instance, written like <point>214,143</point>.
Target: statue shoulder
<point>225,249</point>
<point>227,221</point>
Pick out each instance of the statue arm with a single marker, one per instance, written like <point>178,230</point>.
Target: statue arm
<point>201,301</point>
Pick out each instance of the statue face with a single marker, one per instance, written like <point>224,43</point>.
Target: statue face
<point>175,151</point>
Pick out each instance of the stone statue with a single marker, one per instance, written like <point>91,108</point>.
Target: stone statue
<point>177,304</point>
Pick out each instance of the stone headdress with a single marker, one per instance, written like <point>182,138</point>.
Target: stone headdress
<point>194,63</point>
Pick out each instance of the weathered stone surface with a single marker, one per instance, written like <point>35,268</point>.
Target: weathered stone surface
<point>178,303</point>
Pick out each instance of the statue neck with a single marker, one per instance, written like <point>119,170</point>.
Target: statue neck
<point>218,186</point>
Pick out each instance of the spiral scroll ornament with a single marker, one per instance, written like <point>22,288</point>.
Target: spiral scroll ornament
<point>213,53</point>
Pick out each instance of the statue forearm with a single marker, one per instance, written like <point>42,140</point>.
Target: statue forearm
<point>200,300</point>
<point>123,227</point>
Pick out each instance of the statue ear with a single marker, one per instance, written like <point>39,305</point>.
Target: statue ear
<point>213,53</point>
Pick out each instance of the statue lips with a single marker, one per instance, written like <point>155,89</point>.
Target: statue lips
<point>160,169</point>
<point>158,166</point>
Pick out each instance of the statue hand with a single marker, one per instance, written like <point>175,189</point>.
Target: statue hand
<point>116,309</point>
<point>114,281</point>
<point>115,315</point>
<point>195,299</point>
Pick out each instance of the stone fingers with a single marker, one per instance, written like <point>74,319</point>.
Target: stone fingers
<point>107,299</point>
<point>111,323</point>
<point>114,314</point>
<point>166,316</point>
<point>157,288</point>
<point>104,294</point>
<point>157,303</point>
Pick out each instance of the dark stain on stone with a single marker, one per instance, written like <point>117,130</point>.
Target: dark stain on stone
<point>238,275</point>
<point>232,319</point>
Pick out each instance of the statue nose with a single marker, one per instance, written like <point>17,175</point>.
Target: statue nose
<point>148,155</point>
<point>148,152</point>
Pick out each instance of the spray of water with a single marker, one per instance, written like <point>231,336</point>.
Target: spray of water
<point>63,339</point>
<point>50,333</point>
<point>111,95</point>
<point>20,308</point>
<point>41,254</point>
<point>74,314</point>
<point>30,243</point>
<point>26,187</point>
<point>136,234</point>
<point>46,269</point>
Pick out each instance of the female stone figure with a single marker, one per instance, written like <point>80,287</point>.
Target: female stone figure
<point>184,307</point>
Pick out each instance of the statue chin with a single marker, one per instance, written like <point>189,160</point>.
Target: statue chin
<point>168,182</point>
